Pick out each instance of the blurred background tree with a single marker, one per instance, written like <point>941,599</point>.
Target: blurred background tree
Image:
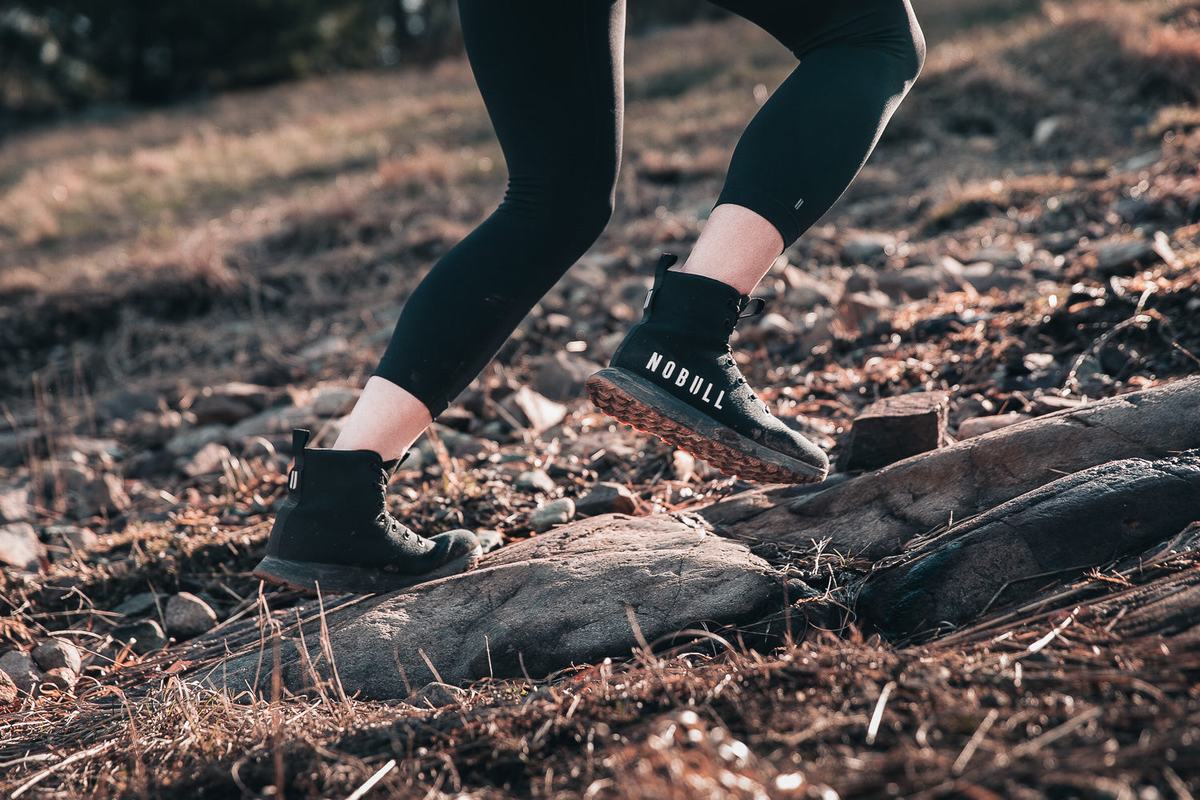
<point>58,55</point>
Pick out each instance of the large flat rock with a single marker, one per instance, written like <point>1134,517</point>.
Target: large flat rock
<point>540,605</point>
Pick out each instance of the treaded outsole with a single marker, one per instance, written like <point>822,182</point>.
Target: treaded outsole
<point>624,407</point>
<point>336,579</point>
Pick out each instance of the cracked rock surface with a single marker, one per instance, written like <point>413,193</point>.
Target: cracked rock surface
<point>571,596</point>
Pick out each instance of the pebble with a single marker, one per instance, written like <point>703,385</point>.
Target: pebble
<point>55,653</point>
<point>14,504</point>
<point>192,441</point>
<point>561,377</point>
<point>606,498</point>
<point>61,678</point>
<point>333,401</point>
<point>868,247</point>
<point>136,604</point>
<point>540,412</point>
<point>144,636</point>
<point>556,512</point>
<point>683,465</point>
<point>20,546</point>
<point>534,480</point>
<point>20,668</point>
<point>1123,257</point>
<point>187,615</point>
<point>208,460</point>
<point>229,403</point>
<point>72,536</point>
<point>8,692</point>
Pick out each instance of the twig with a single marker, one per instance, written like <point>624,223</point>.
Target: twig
<point>972,744</point>
<point>877,717</point>
<point>369,784</point>
<point>48,771</point>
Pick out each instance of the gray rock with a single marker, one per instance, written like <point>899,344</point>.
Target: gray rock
<point>8,692</point>
<point>606,498</point>
<point>326,347</point>
<point>20,546</point>
<point>144,636</point>
<point>61,678</point>
<point>55,653</point>
<point>15,446</point>
<point>14,503</point>
<point>536,411</point>
<point>20,668</point>
<point>136,604</point>
<point>561,377</point>
<point>1124,257</point>
<point>536,606</point>
<point>274,421</point>
<point>534,480</point>
<point>333,401</point>
<point>894,428</point>
<point>87,493</point>
<point>230,402</point>
<point>208,460</point>
<point>72,536</point>
<point>864,247</point>
<point>186,615</point>
<point>191,441</point>
<point>556,512</point>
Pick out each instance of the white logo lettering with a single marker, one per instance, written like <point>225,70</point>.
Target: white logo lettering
<point>683,376</point>
<point>669,369</point>
<point>655,360</point>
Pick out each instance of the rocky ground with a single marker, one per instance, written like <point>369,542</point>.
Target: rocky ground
<point>183,287</point>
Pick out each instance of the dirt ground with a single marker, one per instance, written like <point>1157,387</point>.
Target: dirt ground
<point>1026,236</point>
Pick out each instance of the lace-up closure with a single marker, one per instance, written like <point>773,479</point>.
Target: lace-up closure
<point>334,530</point>
<point>675,375</point>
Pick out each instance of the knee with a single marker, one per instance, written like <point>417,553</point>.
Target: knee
<point>574,207</point>
<point>912,48</point>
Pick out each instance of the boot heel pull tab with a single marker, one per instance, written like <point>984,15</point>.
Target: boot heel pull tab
<point>752,307</point>
<point>665,262</point>
<point>299,442</point>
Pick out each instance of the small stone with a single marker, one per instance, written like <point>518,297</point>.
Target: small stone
<point>273,421</point>
<point>774,323</point>
<point>561,377</point>
<point>436,695</point>
<point>556,512</point>
<point>807,291</point>
<point>1051,403</point>
<point>72,536</point>
<point>208,460</point>
<point>864,311</point>
<point>55,653</point>
<point>15,446</point>
<point>102,495</point>
<point>8,692</point>
<point>535,480</point>
<point>333,401</point>
<point>230,403</point>
<point>20,668</point>
<point>187,615</point>
<point>61,678</point>
<point>191,441</point>
<point>865,247</point>
<point>540,412</point>
<point>136,604</point>
<point>20,546</point>
<point>977,426</point>
<point>895,428</point>
<point>14,504</point>
<point>606,498</point>
<point>489,540</point>
<point>1045,130</point>
<point>1124,257</point>
<point>984,276</point>
<point>683,465</point>
<point>323,348</point>
<point>144,636</point>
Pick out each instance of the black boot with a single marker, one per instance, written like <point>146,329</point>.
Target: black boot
<point>334,531</point>
<point>674,376</point>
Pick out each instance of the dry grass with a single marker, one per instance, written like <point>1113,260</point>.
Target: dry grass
<point>209,234</point>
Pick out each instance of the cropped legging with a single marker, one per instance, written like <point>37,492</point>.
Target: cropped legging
<point>550,72</point>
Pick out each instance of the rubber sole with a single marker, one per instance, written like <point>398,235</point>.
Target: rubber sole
<point>633,401</point>
<point>338,579</point>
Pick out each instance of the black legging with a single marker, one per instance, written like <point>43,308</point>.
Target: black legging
<point>550,72</point>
